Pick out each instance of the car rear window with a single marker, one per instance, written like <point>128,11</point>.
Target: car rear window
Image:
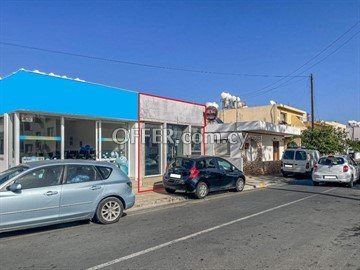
<point>104,171</point>
<point>331,161</point>
<point>288,154</point>
<point>300,155</point>
<point>183,163</point>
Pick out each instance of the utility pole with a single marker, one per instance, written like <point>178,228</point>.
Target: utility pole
<point>312,100</point>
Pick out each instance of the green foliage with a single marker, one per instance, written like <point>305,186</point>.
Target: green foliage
<point>327,140</point>
<point>354,145</point>
<point>292,143</point>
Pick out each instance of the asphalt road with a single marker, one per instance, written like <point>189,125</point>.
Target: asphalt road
<point>290,226</point>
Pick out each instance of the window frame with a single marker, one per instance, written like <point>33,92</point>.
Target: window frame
<point>224,160</point>
<point>97,167</point>
<point>66,174</point>
<point>299,151</point>
<point>61,178</point>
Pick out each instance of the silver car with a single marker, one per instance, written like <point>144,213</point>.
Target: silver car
<point>340,169</point>
<point>49,192</point>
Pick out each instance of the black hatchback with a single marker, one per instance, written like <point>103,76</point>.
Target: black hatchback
<point>201,175</point>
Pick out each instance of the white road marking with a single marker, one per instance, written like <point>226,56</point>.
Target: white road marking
<point>148,250</point>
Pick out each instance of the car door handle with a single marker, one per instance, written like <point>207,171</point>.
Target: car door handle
<point>50,193</point>
<point>95,187</point>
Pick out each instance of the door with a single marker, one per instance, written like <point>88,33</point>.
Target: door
<point>301,159</point>
<point>275,150</point>
<point>36,203</point>
<point>288,161</point>
<point>228,175</point>
<point>212,173</point>
<point>80,192</point>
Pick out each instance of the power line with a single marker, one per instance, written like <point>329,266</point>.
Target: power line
<point>277,88</point>
<point>141,64</point>
<point>311,59</point>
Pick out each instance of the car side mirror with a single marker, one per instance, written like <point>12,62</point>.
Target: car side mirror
<point>233,168</point>
<point>15,187</point>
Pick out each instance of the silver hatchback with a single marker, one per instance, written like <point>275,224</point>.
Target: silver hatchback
<point>340,169</point>
<point>49,192</point>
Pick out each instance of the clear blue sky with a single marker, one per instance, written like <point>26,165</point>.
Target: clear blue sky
<point>260,37</point>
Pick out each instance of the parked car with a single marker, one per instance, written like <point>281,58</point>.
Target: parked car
<point>49,192</point>
<point>298,161</point>
<point>201,175</point>
<point>341,169</point>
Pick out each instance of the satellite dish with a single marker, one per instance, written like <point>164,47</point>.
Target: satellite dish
<point>272,102</point>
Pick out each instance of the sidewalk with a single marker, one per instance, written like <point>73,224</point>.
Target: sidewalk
<point>159,197</point>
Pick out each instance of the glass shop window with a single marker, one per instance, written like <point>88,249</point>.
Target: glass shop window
<point>40,137</point>
<point>196,138</point>
<point>116,152</point>
<point>152,149</point>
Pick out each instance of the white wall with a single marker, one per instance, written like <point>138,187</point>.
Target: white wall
<point>156,109</point>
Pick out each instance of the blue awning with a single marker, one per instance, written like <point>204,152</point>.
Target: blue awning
<point>31,91</point>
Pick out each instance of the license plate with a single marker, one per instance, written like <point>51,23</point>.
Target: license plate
<point>174,175</point>
<point>329,177</point>
<point>288,166</point>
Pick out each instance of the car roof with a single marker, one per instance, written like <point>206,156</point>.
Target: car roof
<point>34,164</point>
<point>197,157</point>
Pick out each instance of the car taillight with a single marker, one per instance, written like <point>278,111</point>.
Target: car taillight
<point>193,172</point>
<point>307,165</point>
<point>345,168</point>
<point>315,168</point>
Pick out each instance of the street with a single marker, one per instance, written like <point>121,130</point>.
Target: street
<point>287,226</point>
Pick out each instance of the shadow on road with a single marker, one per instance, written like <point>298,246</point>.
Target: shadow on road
<point>48,228</point>
<point>309,183</point>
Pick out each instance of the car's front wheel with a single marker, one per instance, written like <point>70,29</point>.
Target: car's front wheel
<point>201,190</point>
<point>315,183</point>
<point>109,210</point>
<point>240,184</point>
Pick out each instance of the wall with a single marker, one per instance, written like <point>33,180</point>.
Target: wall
<point>163,110</point>
<point>261,113</point>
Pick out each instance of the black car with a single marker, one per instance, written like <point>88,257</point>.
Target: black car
<point>200,175</point>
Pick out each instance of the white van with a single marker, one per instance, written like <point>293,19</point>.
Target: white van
<point>298,161</point>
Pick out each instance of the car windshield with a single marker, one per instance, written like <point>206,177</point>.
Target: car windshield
<point>10,173</point>
<point>331,161</point>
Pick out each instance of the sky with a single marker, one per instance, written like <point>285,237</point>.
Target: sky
<point>244,37</point>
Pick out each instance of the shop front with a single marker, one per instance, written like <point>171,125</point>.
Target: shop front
<point>50,117</point>
<point>167,129</point>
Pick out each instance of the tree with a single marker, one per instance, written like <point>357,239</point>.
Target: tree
<point>354,145</point>
<point>325,139</point>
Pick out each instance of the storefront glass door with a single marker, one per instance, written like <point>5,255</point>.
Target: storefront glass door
<point>175,145</point>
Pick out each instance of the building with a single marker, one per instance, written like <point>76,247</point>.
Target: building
<point>261,135</point>
<point>275,114</point>
<point>353,133</point>
<point>172,121</point>
<point>46,116</point>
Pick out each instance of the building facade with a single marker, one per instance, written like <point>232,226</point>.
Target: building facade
<point>274,114</point>
<point>46,116</point>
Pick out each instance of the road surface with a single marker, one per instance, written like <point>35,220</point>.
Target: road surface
<point>289,226</point>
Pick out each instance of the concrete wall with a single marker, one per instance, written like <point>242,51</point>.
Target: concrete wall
<point>162,110</point>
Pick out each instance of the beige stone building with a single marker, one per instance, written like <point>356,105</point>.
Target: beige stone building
<point>274,114</point>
